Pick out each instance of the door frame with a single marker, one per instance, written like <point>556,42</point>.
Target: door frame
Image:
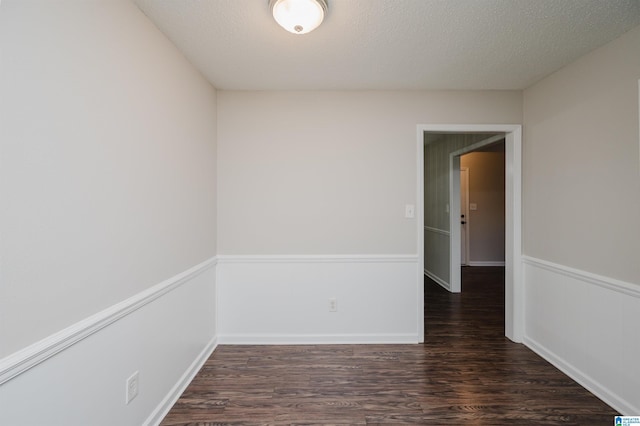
<point>514,291</point>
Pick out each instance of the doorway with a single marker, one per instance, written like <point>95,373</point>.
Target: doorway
<point>512,134</point>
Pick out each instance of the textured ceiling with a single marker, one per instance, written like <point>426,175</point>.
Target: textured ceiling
<point>391,44</point>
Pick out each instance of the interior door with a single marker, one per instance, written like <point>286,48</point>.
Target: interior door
<point>464,214</point>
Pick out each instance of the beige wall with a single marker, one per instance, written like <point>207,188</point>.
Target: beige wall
<point>107,163</point>
<point>581,172</point>
<point>487,191</point>
<point>331,172</point>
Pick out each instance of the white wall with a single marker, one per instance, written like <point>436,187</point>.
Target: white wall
<point>107,166</point>
<point>108,189</point>
<point>285,299</point>
<point>326,176</point>
<point>581,230</point>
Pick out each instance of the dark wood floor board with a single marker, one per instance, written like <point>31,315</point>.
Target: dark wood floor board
<point>466,372</point>
<point>331,392</point>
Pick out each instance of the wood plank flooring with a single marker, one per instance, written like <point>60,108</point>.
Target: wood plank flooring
<point>467,372</point>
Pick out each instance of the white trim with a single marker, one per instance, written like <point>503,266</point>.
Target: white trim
<point>586,381</point>
<point>514,292</point>
<point>313,339</point>
<point>437,230</point>
<point>323,258</point>
<point>420,233</point>
<point>455,251</point>
<point>21,361</point>
<point>437,279</point>
<point>485,263</point>
<point>514,280</point>
<point>599,280</point>
<point>176,391</point>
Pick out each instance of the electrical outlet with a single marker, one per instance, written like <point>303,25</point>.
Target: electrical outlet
<point>333,305</point>
<point>132,387</point>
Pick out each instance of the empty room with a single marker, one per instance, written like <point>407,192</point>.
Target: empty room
<point>224,212</point>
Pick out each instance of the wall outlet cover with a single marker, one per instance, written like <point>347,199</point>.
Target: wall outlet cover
<point>132,387</point>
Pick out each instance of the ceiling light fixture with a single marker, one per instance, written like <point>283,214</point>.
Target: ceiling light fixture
<point>298,16</point>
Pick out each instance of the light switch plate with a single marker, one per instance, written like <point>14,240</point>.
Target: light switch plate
<point>409,211</point>
<point>473,206</point>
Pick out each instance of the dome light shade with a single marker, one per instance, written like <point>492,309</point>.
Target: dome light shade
<point>298,16</point>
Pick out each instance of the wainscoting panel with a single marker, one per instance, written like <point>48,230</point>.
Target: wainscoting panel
<point>285,299</point>
<point>436,255</point>
<point>587,326</point>
<point>78,376</point>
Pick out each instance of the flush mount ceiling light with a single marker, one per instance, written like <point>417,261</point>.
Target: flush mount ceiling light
<point>298,16</point>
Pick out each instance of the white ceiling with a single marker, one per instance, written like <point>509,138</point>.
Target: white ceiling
<point>391,44</point>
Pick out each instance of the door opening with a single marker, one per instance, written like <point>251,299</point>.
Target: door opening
<point>451,277</point>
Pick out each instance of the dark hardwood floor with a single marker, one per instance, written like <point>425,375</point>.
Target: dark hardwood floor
<point>466,372</point>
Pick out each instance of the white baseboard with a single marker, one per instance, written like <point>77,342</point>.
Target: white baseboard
<point>285,299</point>
<point>582,378</point>
<point>334,339</point>
<point>176,391</point>
<point>485,263</point>
<point>438,280</point>
<point>587,326</point>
